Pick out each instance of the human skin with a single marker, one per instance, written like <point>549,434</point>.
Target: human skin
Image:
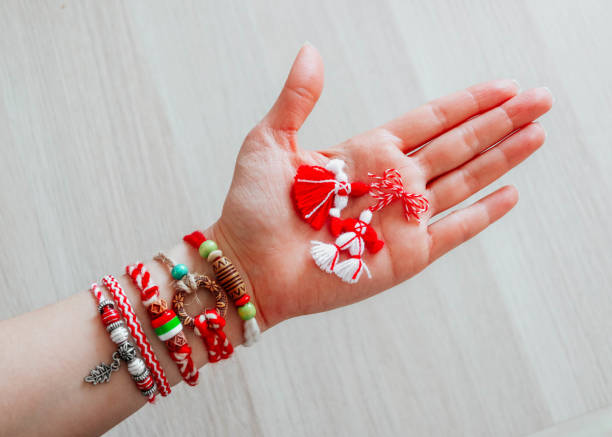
<point>270,245</point>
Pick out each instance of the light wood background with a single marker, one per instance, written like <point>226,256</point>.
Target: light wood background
<point>114,115</point>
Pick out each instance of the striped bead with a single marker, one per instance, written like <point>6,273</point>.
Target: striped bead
<point>229,278</point>
<point>110,315</point>
<point>136,367</point>
<point>167,325</point>
<point>119,335</point>
<point>145,384</point>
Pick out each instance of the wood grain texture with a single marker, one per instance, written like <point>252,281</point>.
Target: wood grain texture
<point>114,115</point>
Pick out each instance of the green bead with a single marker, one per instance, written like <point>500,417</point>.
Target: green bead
<point>178,271</point>
<point>206,247</point>
<point>247,311</point>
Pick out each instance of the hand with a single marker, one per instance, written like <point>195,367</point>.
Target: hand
<point>260,229</point>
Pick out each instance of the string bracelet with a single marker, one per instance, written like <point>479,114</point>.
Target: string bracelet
<point>228,276</point>
<point>208,325</point>
<point>146,351</point>
<point>125,350</point>
<point>165,322</point>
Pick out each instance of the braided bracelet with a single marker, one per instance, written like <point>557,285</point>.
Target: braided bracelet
<point>208,325</point>
<point>165,322</point>
<point>133,324</point>
<point>230,280</point>
<point>125,350</point>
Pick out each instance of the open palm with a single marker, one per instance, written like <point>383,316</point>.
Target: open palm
<point>260,229</point>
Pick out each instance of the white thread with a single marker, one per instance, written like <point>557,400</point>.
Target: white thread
<point>251,332</point>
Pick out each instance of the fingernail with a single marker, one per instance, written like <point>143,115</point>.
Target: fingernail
<point>551,94</point>
<point>518,85</point>
<point>307,43</point>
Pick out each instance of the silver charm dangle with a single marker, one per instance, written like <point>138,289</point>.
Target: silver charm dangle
<point>102,372</point>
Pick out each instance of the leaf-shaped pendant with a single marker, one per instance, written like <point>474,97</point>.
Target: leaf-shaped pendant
<point>102,372</point>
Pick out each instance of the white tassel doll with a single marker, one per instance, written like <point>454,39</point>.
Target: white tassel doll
<point>355,236</point>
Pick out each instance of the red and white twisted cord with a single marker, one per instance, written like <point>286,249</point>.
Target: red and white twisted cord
<point>95,290</point>
<point>388,187</point>
<point>133,324</point>
<point>149,294</point>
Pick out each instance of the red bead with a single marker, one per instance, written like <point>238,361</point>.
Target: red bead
<point>164,318</point>
<point>145,384</point>
<point>243,300</point>
<point>110,315</point>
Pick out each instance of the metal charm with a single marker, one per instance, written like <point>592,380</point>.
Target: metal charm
<point>102,372</point>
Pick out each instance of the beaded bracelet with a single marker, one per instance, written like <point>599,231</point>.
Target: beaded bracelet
<point>208,325</point>
<point>165,322</point>
<point>146,351</point>
<point>125,350</point>
<point>229,278</point>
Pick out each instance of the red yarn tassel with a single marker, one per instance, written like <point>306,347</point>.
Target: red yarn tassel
<point>313,194</point>
<point>195,239</point>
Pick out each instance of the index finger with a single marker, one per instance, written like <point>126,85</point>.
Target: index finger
<point>426,122</point>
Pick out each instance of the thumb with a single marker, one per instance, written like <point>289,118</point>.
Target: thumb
<point>300,93</point>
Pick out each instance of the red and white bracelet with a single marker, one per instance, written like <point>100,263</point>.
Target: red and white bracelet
<point>149,357</point>
<point>210,323</point>
<point>125,350</point>
<point>165,322</point>
<point>230,279</point>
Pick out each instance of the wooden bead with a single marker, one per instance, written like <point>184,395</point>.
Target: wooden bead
<point>177,342</point>
<point>157,308</point>
<point>229,278</point>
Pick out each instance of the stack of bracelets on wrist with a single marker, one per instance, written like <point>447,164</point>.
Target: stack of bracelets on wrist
<point>230,280</point>
<point>208,325</point>
<point>125,350</point>
<point>165,322</point>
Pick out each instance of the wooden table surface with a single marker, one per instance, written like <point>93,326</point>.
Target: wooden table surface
<point>119,125</point>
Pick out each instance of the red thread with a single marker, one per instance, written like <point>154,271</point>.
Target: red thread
<point>210,327</point>
<point>388,187</point>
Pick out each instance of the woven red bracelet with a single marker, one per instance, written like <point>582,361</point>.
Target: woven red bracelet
<point>126,351</point>
<point>227,275</point>
<point>149,357</point>
<point>165,322</point>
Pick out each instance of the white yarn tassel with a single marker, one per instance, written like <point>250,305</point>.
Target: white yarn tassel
<point>325,255</point>
<point>251,332</point>
<point>350,270</point>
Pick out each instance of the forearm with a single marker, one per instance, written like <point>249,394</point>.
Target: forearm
<point>46,354</point>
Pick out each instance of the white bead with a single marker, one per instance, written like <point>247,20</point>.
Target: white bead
<point>214,255</point>
<point>119,335</point>
<point>136,367</point>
